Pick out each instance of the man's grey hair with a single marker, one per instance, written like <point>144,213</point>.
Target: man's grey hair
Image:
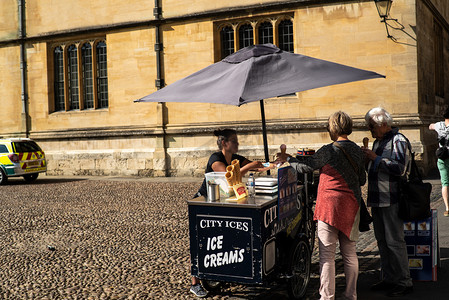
<point>379,116</point>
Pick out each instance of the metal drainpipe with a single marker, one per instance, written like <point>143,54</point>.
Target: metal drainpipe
<point>157,12</point>
<point>23,66</point>
<point>159,82</point>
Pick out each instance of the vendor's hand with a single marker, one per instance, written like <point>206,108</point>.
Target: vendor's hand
<point>264,168</point>
<point>258,165</point>
<point>432,126</point>
<point>272,166</point>
<point>370,154</point>
<point>255,165</point>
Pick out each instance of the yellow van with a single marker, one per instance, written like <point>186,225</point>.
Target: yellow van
<point>21,157</point>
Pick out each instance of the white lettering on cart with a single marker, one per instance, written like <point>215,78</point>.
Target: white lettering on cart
<point>239,225</point>
<point>270,215</point>
<point>210,223</point>
<point>223,258</point>
<point>214,243</point>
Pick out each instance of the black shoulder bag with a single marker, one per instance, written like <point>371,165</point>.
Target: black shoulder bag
<point>414,199</point>
<point>365,217</point>
<point>442,152</point>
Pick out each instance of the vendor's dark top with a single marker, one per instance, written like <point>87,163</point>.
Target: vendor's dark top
<point>217,156</point>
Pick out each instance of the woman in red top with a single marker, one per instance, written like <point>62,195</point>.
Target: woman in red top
<point>337,209</point>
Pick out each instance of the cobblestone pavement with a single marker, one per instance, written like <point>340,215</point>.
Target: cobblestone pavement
<point>116,238</point>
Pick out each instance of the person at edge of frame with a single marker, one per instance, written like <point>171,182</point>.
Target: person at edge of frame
<point>442,129</point>
<point>339,197</point>
<point>386,163</point>
<point>228,145</point>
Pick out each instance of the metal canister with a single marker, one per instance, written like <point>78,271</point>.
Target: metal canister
<point>213,192</point>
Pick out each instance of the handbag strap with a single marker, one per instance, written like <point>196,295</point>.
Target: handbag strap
<point>354,166</point>
<point>414,171</point>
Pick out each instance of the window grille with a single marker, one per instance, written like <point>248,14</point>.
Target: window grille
<point>246,36</point>
<point>73,77</point>
<point>88,86</point>
<point>227,41</point>
<point>59,78</point>
<point>286,35</point>
<point>87,77</point>
<point>102,75</point>
<point>266,33</point>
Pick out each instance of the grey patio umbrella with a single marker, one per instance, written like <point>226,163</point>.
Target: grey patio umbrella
<point>255,73</point>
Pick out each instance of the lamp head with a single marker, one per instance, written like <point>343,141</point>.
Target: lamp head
<point>383,7</point>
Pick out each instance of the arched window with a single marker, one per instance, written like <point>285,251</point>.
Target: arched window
<point>246,36</point>
<point>88,86</point>
<point>285,28</point>
<point>102,75</point>
<point>72,53</point>
<point>58,57</point>
<point>227,41</point>
<point>80,70</point>
<point>266,33</point>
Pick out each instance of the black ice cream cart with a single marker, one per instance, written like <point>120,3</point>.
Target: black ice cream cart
<point>256,241</point>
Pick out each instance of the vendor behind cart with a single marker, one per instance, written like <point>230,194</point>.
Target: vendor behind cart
<point>228,144</point>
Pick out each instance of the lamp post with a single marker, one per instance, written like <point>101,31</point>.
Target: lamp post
<point>383,8</point>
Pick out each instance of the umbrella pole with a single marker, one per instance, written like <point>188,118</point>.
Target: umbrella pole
<point>264,133</point>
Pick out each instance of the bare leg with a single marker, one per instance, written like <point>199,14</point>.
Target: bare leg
<point>195,280</point>
<point>197,289</point>
<point>445,193</point>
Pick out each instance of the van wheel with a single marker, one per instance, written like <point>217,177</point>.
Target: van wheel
<point>30,177</point>
<point>3,177</point>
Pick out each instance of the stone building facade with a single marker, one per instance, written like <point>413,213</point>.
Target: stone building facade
<point>71,70</point>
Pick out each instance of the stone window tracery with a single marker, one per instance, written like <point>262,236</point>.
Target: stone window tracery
<point>80,79</point>
<point>237,34</point>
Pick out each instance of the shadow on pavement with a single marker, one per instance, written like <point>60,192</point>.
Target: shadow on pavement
<point>20,181</point>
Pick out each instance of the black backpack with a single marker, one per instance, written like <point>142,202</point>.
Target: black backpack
<point>442,151</point>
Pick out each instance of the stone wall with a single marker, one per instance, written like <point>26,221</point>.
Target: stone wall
<point>175,139</point>
<point>431,106</point>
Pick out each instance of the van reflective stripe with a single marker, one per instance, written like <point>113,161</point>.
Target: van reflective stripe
<point>35,170</point>
<point>29,155</point>
<point>32,164</point>
<point>31,160</point>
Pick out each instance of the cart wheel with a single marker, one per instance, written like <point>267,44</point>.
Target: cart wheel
<point>300,262</point>
<point>211,285</point>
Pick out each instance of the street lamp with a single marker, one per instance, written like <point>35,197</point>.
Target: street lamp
<point>383,8</point>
